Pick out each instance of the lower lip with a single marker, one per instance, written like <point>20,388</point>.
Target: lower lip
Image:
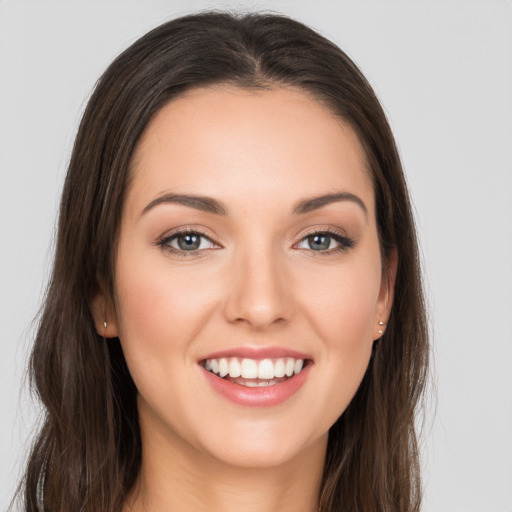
<point>267,396</point>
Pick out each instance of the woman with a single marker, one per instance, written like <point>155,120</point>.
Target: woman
<point>235,317</point>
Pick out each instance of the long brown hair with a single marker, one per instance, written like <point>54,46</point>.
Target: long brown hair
<point>87,454</point>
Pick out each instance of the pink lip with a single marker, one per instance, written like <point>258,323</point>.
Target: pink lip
<point>268,396</point>
<point>258,353</point>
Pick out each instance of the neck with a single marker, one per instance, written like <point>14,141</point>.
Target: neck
<point>176,477</point>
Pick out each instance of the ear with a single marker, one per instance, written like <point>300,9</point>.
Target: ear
<point>386,294</point>
<point>105,319</point>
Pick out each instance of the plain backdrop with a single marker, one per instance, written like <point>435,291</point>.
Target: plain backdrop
<point>443,71</point>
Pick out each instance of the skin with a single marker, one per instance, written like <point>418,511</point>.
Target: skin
<point>254,282</point>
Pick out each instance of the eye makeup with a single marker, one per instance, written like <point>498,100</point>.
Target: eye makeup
<point>187,242</point>
<point>322,237</point>
<point>192,242</point>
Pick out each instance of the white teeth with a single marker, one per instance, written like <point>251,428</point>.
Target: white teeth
<point>223,367</point>
<point>249,369</point>
<point>279,369</point>
<point>297,367</point>
<point>265,369</point>
<point>234,367</point>
<point>256,383</point>
<point>288,369</point>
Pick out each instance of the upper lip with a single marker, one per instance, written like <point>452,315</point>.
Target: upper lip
<point>249,352</point>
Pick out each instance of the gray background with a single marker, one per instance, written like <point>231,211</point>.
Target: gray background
<point>443,70</point>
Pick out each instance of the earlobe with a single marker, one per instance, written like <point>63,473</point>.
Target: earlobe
<point>386,293</point>
<point>104,317</point>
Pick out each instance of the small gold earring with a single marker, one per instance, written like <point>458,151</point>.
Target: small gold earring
<point>105,324</point>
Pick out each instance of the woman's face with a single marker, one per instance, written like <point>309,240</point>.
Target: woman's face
<point>248,244</point>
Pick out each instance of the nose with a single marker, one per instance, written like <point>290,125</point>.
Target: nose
<point>259,291</point>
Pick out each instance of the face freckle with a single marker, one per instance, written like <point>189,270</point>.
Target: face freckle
<point>260,274</point>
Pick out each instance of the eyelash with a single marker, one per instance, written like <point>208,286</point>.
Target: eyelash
<point>343,240</point>
<point>164,242</point>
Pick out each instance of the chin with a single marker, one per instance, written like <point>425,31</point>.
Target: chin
<point>252,458</point>
<point>260,448</point>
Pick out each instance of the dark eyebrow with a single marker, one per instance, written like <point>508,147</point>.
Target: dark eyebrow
<point>313,203</point>
<point>210,205</point>
<point>205,204</point>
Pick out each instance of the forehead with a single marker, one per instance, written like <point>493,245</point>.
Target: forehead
<point>241,144</point>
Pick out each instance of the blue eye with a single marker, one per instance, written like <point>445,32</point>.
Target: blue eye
<point>186,241</point>
<point>326,241</point>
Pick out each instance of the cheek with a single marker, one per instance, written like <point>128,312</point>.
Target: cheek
<point>160,313</point>
<point>159,308</point>
<point>342,305</point>
<point>341,309</point>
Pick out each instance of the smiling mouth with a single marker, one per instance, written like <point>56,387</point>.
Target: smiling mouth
<point>255,372</point>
